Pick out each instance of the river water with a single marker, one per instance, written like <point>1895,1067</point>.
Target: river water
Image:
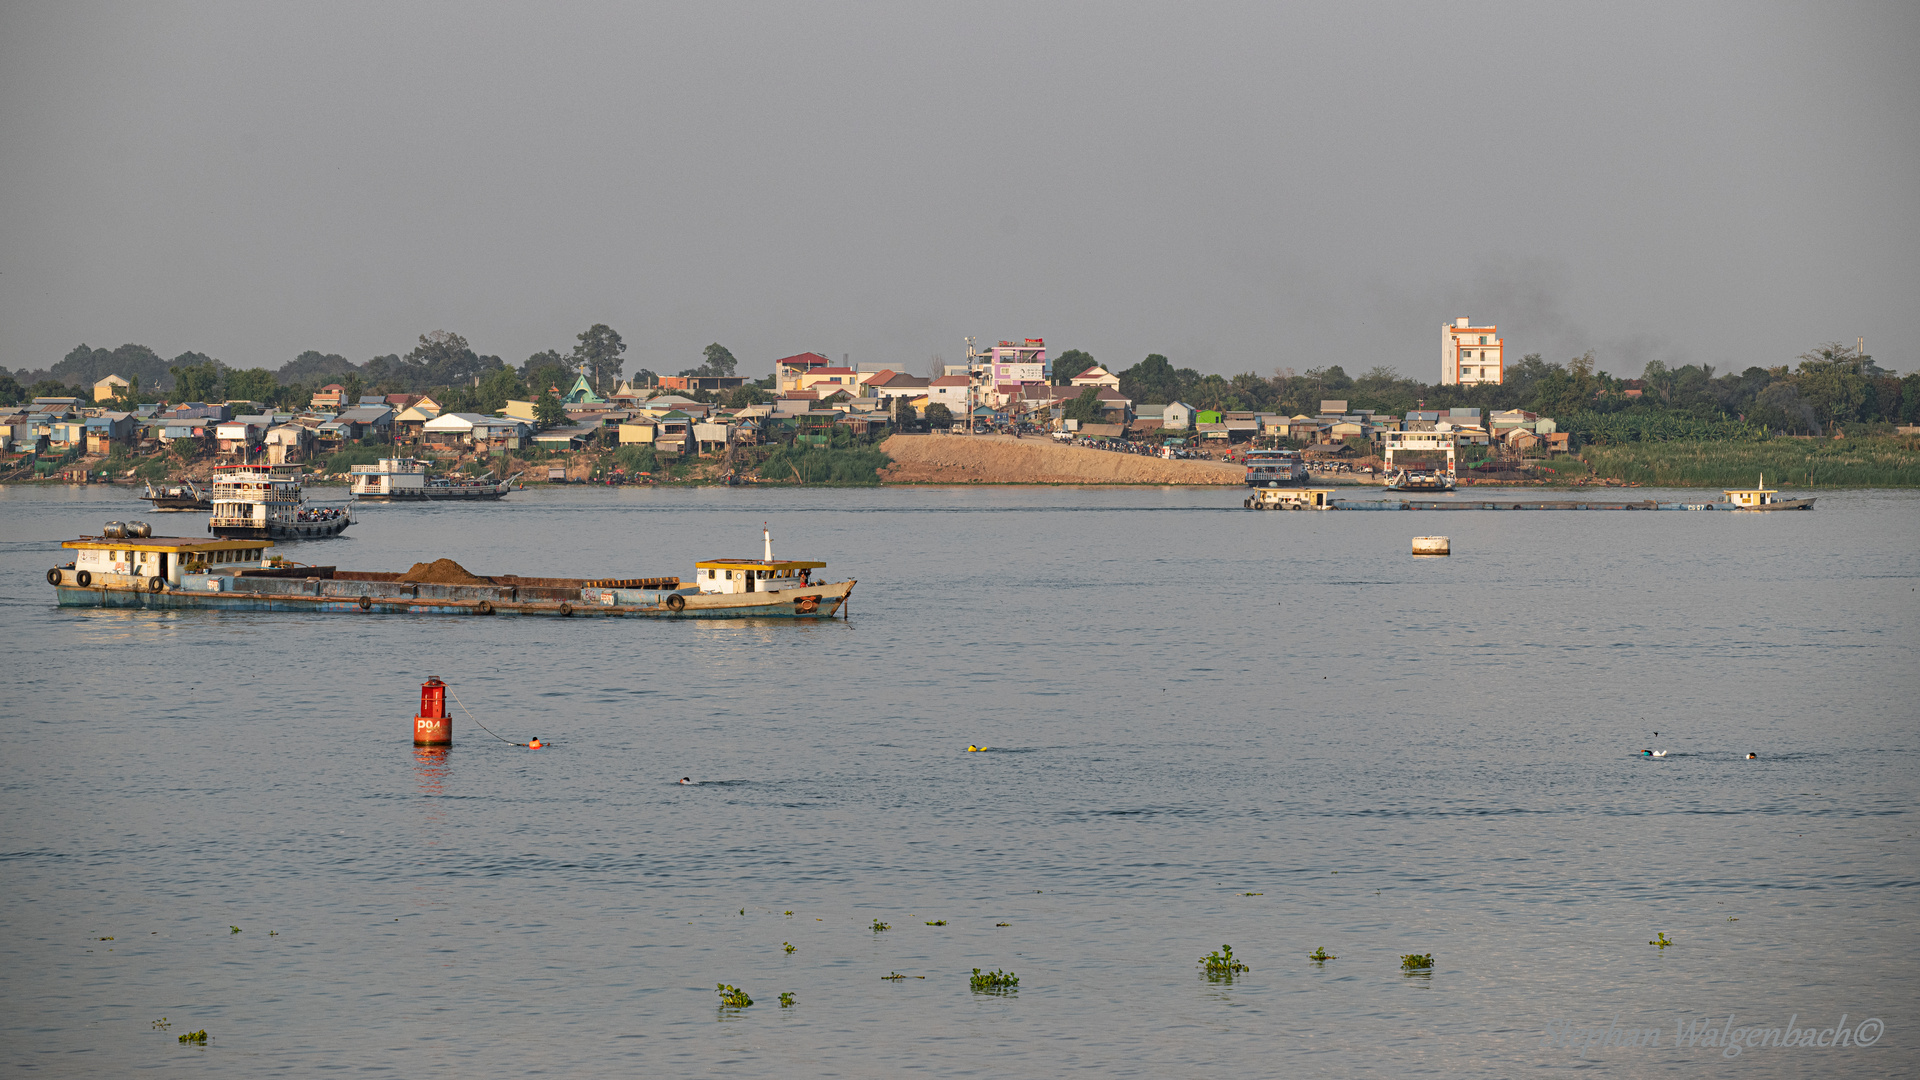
<point>1206,726</point>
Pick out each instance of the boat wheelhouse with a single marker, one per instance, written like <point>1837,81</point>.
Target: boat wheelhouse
<point>1762,498</point>
<point>1290,499</point>
<point>134,562</point>
<point>729,576</point>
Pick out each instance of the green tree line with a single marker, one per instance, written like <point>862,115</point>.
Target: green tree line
<point>1831,385</point>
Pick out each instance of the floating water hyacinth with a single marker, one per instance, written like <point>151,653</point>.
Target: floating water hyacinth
<point>1223,964</point>
<point>732,997</point>
<point>878,926</point>
<point>1416,962</point>
<point>1321,955</point>
<point>994,982</point>
<point>198,1037</point>
<point>1660,940</point>
<point>786,1000</point>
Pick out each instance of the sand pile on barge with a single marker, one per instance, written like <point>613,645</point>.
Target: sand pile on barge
<point>442,572</point>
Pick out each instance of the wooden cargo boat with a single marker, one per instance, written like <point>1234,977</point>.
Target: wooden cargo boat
<point>177,498</point>
<point>238,575</point>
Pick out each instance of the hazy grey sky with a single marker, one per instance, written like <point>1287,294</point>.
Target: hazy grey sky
<point>1241,186</point>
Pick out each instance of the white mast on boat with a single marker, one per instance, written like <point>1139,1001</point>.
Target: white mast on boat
<point>767,535</point>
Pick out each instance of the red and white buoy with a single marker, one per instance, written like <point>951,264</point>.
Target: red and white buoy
<point>433,727</point>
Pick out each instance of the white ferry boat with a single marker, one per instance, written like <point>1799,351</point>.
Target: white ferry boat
<point>265,502</point>
<point>406,480</point>
<point>1275,468</point>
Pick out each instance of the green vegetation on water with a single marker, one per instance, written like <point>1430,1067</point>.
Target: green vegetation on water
<point>732,997</point>
<point>1886,461</point>
<point>994,982</point>
<point>1223,964</point>
<point>1416,962</point>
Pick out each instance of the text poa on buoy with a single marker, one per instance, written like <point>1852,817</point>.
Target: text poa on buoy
<point>432,726</point>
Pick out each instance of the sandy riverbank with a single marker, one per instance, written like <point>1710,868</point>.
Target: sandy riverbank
<point>1003,459</point>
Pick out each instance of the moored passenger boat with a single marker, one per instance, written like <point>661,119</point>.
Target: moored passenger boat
<point>236,575</point>
<point>1275,468</point>
<point>407,480</point>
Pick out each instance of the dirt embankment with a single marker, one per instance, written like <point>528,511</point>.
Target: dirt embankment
<point>1002,459</point>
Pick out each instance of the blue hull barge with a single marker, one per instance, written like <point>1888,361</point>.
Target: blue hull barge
<point>1558,504</point>
<point>129,569</point>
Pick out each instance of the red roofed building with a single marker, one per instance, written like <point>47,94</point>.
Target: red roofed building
<point>787,370</point>
<point>951,391</point>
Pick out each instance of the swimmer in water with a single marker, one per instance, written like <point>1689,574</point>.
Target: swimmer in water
<point>1751,756</point>
<point>536,744</point>
<point>686,779</point>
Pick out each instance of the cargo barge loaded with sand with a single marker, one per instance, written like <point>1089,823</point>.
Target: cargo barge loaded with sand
<point>144,571</point>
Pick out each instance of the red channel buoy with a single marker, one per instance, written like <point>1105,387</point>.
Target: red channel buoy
<point>433,727</point>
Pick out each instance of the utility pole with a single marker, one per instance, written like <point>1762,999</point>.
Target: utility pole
<point>969,358</point>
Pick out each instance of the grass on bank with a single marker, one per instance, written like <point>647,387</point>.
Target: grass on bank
<point>824,465</point>
<point>1890,462</point>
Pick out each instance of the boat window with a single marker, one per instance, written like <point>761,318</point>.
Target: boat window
<point>729,575</point>
<point>709,575</point>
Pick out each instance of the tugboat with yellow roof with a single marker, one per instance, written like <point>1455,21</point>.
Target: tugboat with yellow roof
<point>1762,498</point>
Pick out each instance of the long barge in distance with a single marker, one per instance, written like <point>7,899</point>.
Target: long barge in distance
<point>1743,499</point>
<point>144,571</point>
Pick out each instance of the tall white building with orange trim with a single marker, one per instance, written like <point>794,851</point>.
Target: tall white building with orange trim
<point>1470,354</point>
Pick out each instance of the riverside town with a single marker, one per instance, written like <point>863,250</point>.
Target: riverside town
<point>446,422</point>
